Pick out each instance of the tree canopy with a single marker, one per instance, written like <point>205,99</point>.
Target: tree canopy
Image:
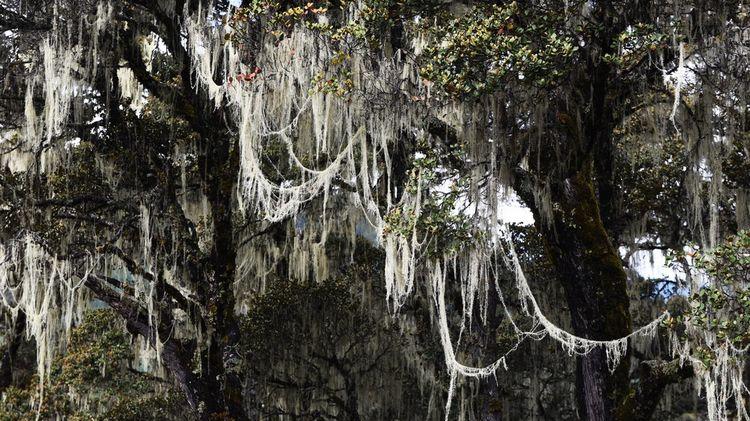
<point>286,209</point>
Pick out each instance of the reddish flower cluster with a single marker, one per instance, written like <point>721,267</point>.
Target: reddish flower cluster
<point>246,77</point>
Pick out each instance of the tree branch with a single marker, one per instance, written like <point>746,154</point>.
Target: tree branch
<point>654,377</point>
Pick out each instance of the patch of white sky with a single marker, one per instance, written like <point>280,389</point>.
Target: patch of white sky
<point>649,264</point>
<point>654,265</point>
<point>512,211</point>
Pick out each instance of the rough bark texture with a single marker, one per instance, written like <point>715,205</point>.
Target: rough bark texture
<point>594,281</point>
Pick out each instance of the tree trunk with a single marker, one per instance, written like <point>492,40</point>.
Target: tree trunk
<point>595,284</point>
<point>352,404</point>
<point>7,361</point>
<point>222,166</point>
<point>491,405</point>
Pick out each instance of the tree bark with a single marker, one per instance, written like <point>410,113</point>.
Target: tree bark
<point>595,285</point>
<point>222,163</point>
<point>491,405</point>
<point>9,355</point>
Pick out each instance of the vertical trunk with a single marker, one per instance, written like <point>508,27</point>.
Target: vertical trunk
<point>202,396</point>
<point>9,355</point>
<point>222,162</point>
<point>352,405</point>
<point>596,288</point>
<point>491,405</point>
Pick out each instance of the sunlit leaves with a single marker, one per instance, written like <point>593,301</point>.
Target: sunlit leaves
<point>490,46</point>
<point>722,306</point>
<point>635,44</point>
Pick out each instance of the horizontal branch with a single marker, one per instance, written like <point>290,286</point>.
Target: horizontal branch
<point>10,20</point>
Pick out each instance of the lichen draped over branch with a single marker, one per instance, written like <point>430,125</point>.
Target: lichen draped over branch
<point>321,132</point>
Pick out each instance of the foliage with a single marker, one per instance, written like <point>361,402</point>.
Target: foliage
<point>301,340</point>
<point>635,44</point>
<point>494,45</point>
<point>94,380</point>
<point>441,189</point>
<point>722,307</point>
<point>719,311</point>
<point>576,106</point>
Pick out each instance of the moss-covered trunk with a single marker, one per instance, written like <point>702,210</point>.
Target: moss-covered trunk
<point>595,284</point>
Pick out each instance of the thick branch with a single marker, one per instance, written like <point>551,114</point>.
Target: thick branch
<point>654,377</point>
<point>10,20</point>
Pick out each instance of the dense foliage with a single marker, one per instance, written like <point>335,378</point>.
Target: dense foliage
<point>95,379</point>
<point>288,209</point>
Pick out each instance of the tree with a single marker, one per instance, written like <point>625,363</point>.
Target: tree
<point>94,378</point>
<point>172,158</point>
<point>311,331</point>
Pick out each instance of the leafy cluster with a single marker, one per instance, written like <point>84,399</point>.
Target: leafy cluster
<point>729,264</point>
<point>281,17</point>
<point>339,85</point>
<point>490,46</point>
<point>636,43</point>
<point>300,340</point>
<point>96,370</point>
<point>441,190</point>
<point>736,165</point>
<point>374,19</point>
<point>722,306</point>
